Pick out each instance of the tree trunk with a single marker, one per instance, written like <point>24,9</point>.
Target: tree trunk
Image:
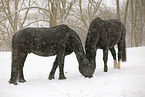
<point>16,16</point>
<point>53,16</point>
<point>81,14</point>
<point>133,32</point>
<point>126,9</point>
<point>118,10</point>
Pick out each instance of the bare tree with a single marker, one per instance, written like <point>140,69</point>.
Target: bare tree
<point>15,15</point>
<point>83,13</point>
<point>11,21</point>
<point>86,13</point>
<point>60,10</point>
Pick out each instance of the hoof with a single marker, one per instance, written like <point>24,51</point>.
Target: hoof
<point>50,77</point>
<point>115,64</point>
<point>13,82</point>
<point>105,69</point>
<point>62,77</point>
<point>118,66</point>
<point>88,76</point>
<point>22,81</point>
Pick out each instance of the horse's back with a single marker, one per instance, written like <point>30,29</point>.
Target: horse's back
<point>41,41</point>
<point>114,31</point>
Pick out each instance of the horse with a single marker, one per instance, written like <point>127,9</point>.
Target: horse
<point>105,34</point>
<point>59,40</point>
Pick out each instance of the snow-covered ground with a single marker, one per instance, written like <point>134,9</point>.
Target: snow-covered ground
<point>129,81</point>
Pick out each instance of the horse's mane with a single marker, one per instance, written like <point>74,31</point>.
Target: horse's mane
<point>96,22</point>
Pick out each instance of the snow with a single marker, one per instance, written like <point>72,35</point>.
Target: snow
<point>129,81</point>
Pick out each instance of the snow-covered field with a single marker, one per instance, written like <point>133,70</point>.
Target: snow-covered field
<point>129,81</point>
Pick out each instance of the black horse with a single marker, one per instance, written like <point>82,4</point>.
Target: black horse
<point>105,34</point>
<point>60,40</point>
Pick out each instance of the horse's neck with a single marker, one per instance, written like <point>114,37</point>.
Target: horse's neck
<point>80,53</point>
<point>78,48</point>
<point>80,56</point>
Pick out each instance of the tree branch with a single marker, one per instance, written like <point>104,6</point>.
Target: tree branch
<point>29,7</point>
<point>35,22</point>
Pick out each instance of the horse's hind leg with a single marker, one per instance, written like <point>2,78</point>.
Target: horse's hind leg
<point>14,71</point>
<point>17,67</point>
<point>105,59</point>
<point>120,51</point>
<point>21,65</point>
<point>113,52</point>
<point>14,67</point>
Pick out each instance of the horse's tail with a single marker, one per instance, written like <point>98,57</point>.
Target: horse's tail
<point>124,52</point>
<point>123,30</point>
<point>124,44</point>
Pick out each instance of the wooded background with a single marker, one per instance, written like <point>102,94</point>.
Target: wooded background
<point>77,14</point>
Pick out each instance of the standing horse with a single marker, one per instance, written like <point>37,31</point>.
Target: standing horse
<point>105,34</point>
<point>60,40</point>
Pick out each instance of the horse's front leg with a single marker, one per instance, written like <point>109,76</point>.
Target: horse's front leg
<point>59,62</point>
<point>105,59</point>
<point>61,56</point>
<point>55,65</point>
<point>61,71</point>
<point>61,65</point>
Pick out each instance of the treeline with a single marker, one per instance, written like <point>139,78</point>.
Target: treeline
<point>18,14</point>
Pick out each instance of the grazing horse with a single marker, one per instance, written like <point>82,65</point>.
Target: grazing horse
<point>59,40</point>
<point>105,34</point>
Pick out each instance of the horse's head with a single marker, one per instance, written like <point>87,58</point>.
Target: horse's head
<point>86,69</point>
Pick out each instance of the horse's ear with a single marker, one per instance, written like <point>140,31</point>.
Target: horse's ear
<point>98,18</point>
